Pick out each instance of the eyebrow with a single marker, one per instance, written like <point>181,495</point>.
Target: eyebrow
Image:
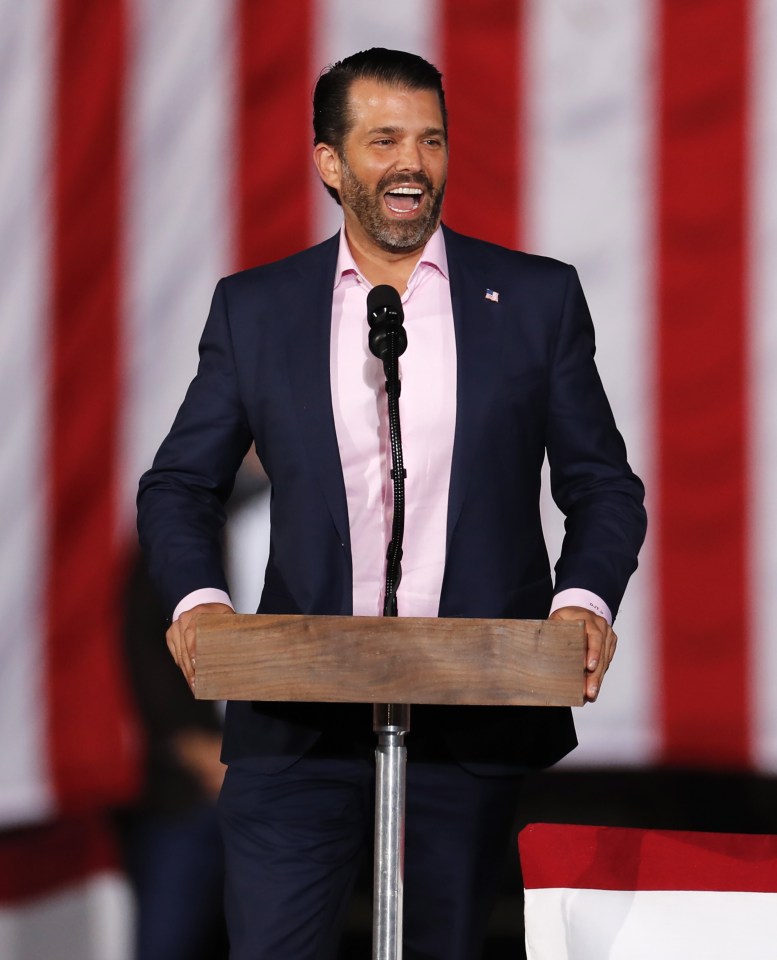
<point>392,131</point>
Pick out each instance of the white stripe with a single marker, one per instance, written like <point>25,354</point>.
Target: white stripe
<point>564,924</point>
<point>92,920</point>
<point>179,205</point>
<point>343,27</point>
<point>25,77</point>
<point>588,201</point>
<point>763,464</point>
<point>248,531</point>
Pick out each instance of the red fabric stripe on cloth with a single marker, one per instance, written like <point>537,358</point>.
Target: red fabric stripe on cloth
<point>702,416</point>
<point>275,133</point>
<point>481,66</point>
<point>87,722</point>
<point>43,859</point>
<point>621,858</point>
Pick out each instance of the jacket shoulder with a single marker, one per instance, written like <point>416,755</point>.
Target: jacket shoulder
<point>478,252</point>
<point>289,269</point>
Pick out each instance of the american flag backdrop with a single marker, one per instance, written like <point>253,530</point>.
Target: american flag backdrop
<point>630,894</point>
<point>148,147</point>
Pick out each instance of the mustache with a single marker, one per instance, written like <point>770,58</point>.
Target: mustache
<point>394,179</point>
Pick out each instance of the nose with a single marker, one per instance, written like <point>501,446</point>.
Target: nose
<point>409,156</point>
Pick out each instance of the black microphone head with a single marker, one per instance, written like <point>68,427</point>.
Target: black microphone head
<point>384,298</point>
<point>385,317</point>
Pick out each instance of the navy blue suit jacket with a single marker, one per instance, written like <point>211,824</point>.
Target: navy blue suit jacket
<point>526,384</point>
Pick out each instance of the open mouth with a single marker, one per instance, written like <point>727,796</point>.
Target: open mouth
<point>403,200</point>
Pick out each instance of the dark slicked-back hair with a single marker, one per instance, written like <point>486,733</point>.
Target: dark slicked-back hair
<point>395,68</point>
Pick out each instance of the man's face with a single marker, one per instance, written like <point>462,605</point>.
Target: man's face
<point>393,166</point>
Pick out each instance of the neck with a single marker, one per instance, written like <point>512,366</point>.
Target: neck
<point>380,266</point>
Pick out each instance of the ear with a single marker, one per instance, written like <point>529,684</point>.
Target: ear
<point>328,164</point>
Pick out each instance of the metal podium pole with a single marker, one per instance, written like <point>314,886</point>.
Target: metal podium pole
<point>391,721</point>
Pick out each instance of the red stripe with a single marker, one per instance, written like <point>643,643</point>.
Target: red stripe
<point>702,437</point>
<point>275,130</point>
<point>615,858</point>
<point>481,66</point>
<point>41,860</point>
<point>87,722</point>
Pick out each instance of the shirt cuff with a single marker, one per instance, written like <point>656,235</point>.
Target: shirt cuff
<point>205,595</point>
<point>574,597</point>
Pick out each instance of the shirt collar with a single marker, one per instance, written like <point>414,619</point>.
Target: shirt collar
<point>433,255</point>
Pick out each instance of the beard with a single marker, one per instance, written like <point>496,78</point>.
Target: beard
<point>393,236</point>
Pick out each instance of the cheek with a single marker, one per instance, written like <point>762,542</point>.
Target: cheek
<point>437,171</point>
<point>369,176</point>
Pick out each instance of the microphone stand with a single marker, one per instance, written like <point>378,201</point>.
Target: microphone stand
<point>391,721</point>
<point>398,475</point>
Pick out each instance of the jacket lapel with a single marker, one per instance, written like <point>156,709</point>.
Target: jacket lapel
<point>478,330</point>
<point>308,361</point>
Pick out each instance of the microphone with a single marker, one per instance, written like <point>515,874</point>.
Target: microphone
<point>388,339</point>
<point>385,317</point>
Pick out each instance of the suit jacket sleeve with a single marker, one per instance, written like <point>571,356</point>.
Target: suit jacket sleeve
<point>181,498</point>
<point>591,480</point>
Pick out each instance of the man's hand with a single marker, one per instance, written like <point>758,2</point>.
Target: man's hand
<point>600,647</point>
<point>181,638</point>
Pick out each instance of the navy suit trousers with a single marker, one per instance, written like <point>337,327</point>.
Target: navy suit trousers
<point>295,840</point>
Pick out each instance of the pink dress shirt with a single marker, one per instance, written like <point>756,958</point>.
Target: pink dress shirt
<point>427,409</point>
<point>428,418</point>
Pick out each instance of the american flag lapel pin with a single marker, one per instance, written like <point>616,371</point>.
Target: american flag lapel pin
<point>492,295</point>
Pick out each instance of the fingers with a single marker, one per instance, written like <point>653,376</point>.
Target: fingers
<point>189,647</point>
<point>181,642</point>
<point>601,643</point>
<point>175,642</point>
<point>594,659</point>
<point>181,637</point>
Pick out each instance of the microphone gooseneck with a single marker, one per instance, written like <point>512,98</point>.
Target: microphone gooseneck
<point>388,341</point>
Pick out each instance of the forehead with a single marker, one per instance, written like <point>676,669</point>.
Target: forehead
<point>375,104</point>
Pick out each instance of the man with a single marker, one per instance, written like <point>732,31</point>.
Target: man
<point>499,370</point>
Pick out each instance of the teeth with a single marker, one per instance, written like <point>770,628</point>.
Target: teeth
<point>408,191</point>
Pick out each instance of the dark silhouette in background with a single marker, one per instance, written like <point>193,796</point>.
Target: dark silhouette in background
<point>172,844</point>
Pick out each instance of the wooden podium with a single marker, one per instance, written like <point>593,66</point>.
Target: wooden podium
<point>391,662</point>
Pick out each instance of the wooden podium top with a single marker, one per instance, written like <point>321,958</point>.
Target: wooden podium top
<point>390,660</point>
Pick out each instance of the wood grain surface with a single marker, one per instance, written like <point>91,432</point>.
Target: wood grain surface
<point>390,660</point>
